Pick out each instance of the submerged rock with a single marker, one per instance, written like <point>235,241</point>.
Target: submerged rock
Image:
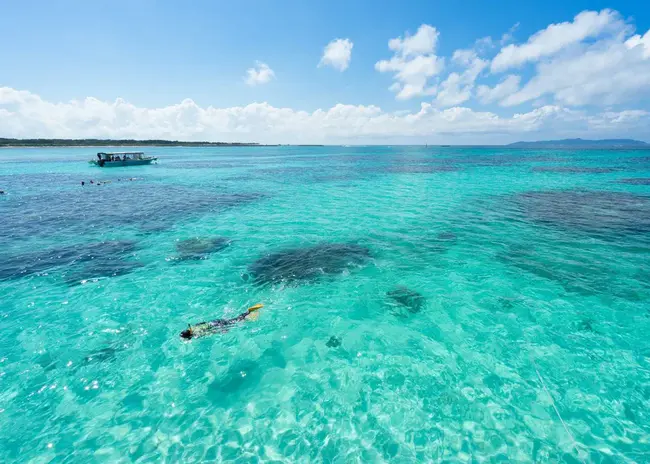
<point>303,264</point>
<point>573,169</point>
<point>98,268</point>
<point>407,298</point>
<point>200,248</point>
<point>588,211</point>
<point>82,212</point>
<point>587,325</point>
<point>417,169</point>
<point>635,181</point>
<point>47,362</point>
<point>507,303</point>
<point>333,342</point>
<point>35,263</point>
<point>446,236</point>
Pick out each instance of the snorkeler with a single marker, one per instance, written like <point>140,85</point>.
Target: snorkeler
<point>218,325</point>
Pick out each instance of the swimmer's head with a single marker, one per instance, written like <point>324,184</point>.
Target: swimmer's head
<point>188,333</point>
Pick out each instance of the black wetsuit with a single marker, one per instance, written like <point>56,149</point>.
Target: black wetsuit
<point>228,322</point>
<point>207,328</point>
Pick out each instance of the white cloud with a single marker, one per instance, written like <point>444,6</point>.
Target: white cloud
<point>452,92</point>
<point>592,60</point>
<point>607,72</point>
<point>26,115</point>
<point>457,88</point>
<point>643,43</point>
<point>556,37</point>
<point>609,119</point>
<point>424,41</point>
<point>506,87</point>
<point>589,60</point>
<point>260,74</point>
<point>486,43</point>
<point>508,37</point>
<point>337,54</point>
<point>414,62</point>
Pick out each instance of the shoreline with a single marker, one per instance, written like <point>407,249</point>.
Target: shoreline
<point>631,148</point>
<point>157,146</point>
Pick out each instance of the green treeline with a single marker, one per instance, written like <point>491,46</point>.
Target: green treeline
<point>113,143</point>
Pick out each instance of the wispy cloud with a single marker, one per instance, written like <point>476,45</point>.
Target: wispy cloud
<point>509,36</point>
<point>503,89</point>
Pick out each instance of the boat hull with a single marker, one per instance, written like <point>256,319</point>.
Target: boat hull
<point>116,164</point>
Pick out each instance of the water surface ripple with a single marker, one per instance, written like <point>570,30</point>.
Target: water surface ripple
<point>421,305</point>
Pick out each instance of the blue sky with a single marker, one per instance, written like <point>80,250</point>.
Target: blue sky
<point>156,54</point>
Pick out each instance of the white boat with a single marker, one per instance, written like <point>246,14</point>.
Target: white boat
<point>122,158</point>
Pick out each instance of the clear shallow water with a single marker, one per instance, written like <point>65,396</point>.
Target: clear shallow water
<point>448,276</point>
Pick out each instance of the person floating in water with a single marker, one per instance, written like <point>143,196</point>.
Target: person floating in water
<point>218,325</point>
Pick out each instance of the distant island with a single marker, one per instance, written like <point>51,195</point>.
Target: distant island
<point>122,143</point>
<point>581,143</point>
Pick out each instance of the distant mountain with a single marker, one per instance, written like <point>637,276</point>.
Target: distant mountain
<point>581,143</point>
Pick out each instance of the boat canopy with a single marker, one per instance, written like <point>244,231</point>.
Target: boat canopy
<point>130,154</point>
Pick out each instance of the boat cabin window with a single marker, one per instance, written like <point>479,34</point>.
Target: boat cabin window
<point>121,156</point>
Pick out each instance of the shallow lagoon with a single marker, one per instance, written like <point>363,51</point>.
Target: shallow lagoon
<point>519,260</point>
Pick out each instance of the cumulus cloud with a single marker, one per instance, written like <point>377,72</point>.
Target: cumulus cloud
<point>337,54</point>
<point>640,43</point>
<point>557,37</point>
<point>413,63</point>
<point>260,74</point>
<point>26,115</point>
<point>592,60</point>
<point>607,72</point>
<point>457,88</point>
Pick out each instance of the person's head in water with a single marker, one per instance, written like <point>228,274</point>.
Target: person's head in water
<point>187,333</point>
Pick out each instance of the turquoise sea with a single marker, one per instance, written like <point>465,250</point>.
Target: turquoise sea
<point>421,304</point>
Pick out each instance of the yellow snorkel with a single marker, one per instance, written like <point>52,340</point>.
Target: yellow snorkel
<point>253,315</point>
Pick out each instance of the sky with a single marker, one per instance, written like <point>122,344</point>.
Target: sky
<point>339,72</point>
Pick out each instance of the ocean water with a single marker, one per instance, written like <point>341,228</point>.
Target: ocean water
<point>420,305</point>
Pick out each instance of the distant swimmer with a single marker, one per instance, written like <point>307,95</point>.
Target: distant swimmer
<point>218,325</point>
